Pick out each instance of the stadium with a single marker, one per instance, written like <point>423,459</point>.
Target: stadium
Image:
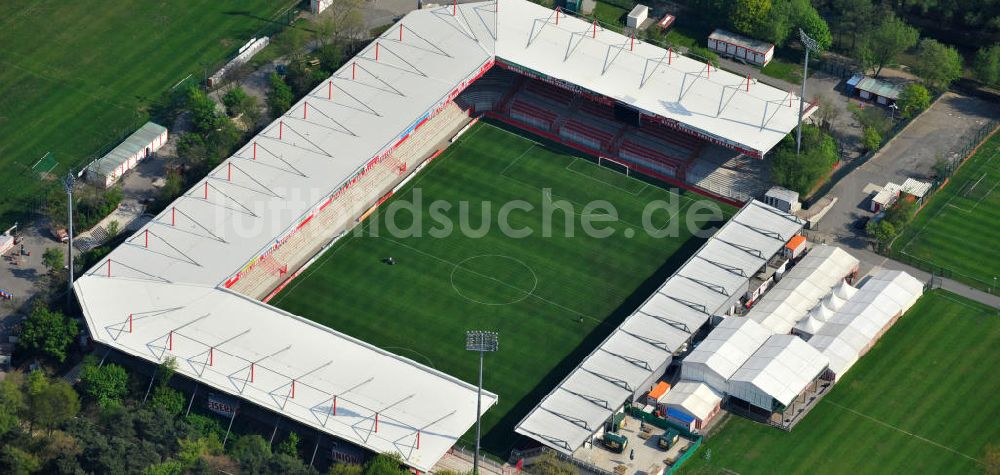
<point>195,282</point>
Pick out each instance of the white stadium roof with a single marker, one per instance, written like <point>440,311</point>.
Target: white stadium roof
<point>802,287</point>
<point>177,283</point>
<point>715,104</point>
<point>646,341</point>
<point>864,316</point>
<point>780,369</point>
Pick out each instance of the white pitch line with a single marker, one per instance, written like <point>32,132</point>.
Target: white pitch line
<point>911,434</point>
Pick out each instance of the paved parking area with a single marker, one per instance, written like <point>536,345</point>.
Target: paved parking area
<point>940,131</point>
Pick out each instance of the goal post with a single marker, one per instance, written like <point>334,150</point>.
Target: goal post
<point>45,164</point>
<point>617,165</point>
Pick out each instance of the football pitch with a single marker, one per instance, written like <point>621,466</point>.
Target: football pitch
<point>77,77</point>
<point>922,401</point>
<point>551,298</point>
<point>956,232</point>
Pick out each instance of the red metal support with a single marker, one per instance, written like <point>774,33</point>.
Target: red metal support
<point>595,28</point>
<point>748,82</point>
<point>557,15</point>
<point>709,66</point>
<point>173,209</point>
<point>670,56</point>
<point>305,110</point>
<point>335,404</point>
<point>454,12</point>
<point>211,356</point>
<point>206,190</point>
<point>329,90</point>
<point>130,323</point>
<point>418,440</point>
<point>789,99</point>
<point>376,51</point>
<point>354,71</point>
<point>281,129</point>
<point>251,371</point>
<point>170,341</point>
<point>229,171</point>
<point>109,267</point>
<point>147,239</point>
<point>632,46</point>
<point>255,150</point>
<point>293,389</point>
<point>376,423</point>
<point>400,32</point>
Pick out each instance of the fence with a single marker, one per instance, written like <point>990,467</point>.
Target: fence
<point>665,424</point>
<point>965,151</point>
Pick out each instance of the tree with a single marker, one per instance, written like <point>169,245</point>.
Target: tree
<point>169,399</point>
<point>801,172</point>
<point>194,448</point>
<point>871,139</point>
<point>51,403</point>
<point>113,228</point>
<point>807,18</point>
<point>204,111</point>
<point>47,332</point>
<point>987,65</point>
<point>11,403</point>
<point>280,97</point>
<point>251,452</point>
<point>549,464</point>
<point>881,231</point>
<point>54,259</point>
<point>289,446</point>
<point>856,18</point>
<point>345,469</point>
<point>828,112</point>
<point>913,100</point>
<point>885,43</point>
<point>232,99</point>
<point>103,384</point>
<point>385,464</point>
<point>748,16</point>
<point>18,461</point>
<point>937,64</point>
<point>347,20</point>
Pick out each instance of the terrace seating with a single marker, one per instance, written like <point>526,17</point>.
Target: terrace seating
<point>598,110</point>
<point>550,92</point>
<point>341,213</point>
<point>587,135</point>
<point>531,114</point>
<point>633,151</point>
<point>726,173</point>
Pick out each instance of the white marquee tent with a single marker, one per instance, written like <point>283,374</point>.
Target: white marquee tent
<point>777,372</point>
<point>802,287</point>
<point>862,320</point>
<point>723,351</point>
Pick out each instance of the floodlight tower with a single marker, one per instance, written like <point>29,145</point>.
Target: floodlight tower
<point>68,184</point>
<point>810,44</point>
<point>481,341</point>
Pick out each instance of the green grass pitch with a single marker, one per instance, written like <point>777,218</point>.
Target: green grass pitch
<point>957,230</point>
<point>552,299</point>
<point>77,76</point>
<point>924,400</point>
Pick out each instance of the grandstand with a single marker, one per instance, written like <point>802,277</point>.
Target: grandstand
<point>188,284</point>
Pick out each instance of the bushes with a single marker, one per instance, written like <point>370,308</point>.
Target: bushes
<point>103,384</point>
<point>801,173</point>
<point>914,99</point>
<point>871,139</point>
<point>48,333</point>
<point>987,65</point>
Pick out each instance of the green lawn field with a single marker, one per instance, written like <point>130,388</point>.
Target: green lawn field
<point>552,299</point>
<point>924,400</point>
<point>956,233</point>
<point>77,77</point>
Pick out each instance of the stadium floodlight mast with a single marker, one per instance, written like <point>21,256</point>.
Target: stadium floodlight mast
<point>481,341</point>
<point>810,44</point>
<point>68,184</point>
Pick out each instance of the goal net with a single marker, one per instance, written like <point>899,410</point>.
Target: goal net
<point>615,165</point>
<point>45,165</point>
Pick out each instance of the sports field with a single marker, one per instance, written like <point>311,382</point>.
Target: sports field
<point>956,233</point>
<point>78,76</point>
<point>552,299</point>
<point>924,400</point>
